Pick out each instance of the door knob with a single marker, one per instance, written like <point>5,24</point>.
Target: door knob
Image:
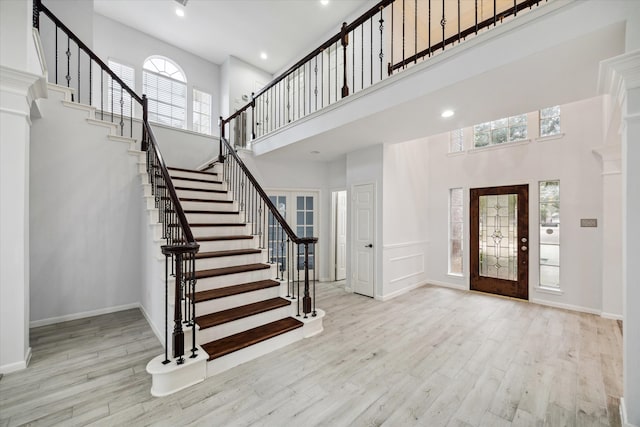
<point>524,248</point>
<point>524,240</point>
<point>369,245</point>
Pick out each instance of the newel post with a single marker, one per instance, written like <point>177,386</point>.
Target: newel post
<point>306,300</point>
<point>344,37</point>
<point>36,14</point>
<point>145,113</point>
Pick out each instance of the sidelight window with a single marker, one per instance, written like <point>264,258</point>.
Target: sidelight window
<point>550,234</point>
<point>455,231</point>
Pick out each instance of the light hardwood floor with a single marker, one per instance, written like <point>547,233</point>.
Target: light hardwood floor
<point>433,357</point>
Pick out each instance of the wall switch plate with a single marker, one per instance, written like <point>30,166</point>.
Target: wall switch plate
<point>588,222</point>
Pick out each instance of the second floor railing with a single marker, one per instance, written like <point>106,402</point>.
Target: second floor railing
<point>391,36</point>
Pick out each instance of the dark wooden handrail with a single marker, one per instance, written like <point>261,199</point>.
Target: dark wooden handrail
<point>274,211</point>
<point>85,48</point>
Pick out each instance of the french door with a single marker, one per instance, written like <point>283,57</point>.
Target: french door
<point>499,237</point>
<point>299,209</point>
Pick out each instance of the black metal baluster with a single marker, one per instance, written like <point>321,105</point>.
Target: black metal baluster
<point>193,305</point>
<point>362,54</point>
<point>344,40</point>
<point>315,91</point>
<point>298,268</point>
<point>101,95</point>
<point>381,55</point>
<point>393,6</point>
<point>79,99</point>
<point>415,31</point>
<point>495,20</point>
<point>315,278</point>
<point>476,11</point>
<point>443,22</point>
<point>306,300</point>
<point>68,77</point>
<point>336,92</point>
<point>458,21</point>
<point>271,235</point>
<point>56,33</point>
<point>90,83</point>
<point>111,88</point>
<point>121,111</point>
<point>429,21</point>
<point>166,310</point>
<point>131,116</point>
<point>371,51</point>
<point>403,34</point>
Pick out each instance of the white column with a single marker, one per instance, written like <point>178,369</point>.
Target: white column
<point>18,90</point>
<point>622,81</point>
<point>612,299</point>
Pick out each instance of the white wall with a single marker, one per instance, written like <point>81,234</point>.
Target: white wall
<point>113,40</point>
<point>365,167</point>
<point>405,213</point>
<point>84,219</point>
<point>569,159</point>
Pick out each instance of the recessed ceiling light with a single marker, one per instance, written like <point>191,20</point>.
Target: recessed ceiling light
<point>447,113</point>
<point>263,55</point>
<point>324,2</point>
<point>179,12</point>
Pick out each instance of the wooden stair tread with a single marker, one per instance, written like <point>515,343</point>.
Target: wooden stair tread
<point>191,170</point>
<point>204,211</point>
<point>204,190</point>
<point>213,224</point>
<point>224,346</point>
<point>237,313</point>
<point>217,238</point>
<point>234,290</point>
<point>234,252</point>
<point>182,178</point>
<point>223,271</point>
<point>191,199</point>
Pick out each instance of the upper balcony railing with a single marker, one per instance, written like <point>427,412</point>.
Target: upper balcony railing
<point>390,37</point>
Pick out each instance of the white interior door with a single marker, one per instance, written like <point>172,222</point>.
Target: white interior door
<point>341,235</point>
<point>363,239</point>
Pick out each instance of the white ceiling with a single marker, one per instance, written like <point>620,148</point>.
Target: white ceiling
<point>214,29</point>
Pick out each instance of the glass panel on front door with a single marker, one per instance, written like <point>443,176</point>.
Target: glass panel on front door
<point>305,223</point>
<point>498,232</point>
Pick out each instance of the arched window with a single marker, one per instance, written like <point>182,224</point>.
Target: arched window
<point>165,85</point>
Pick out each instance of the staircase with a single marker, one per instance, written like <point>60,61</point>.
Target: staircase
<point>238,302</point>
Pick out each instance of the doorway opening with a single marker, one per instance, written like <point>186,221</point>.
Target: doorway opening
<point>338,255</point>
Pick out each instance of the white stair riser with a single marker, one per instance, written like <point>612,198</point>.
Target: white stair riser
<point>232,301</point>
<point>202,218</point>
<point>205,195</point>
<point>227,245</point>
<point>228,261</point>
<point>196,175</point>
<point>220,331</point>
<point>236,358</point>
<point>211,206</point>
<point>220,231</point>
<point>197,184</point>
<point>234,279</point>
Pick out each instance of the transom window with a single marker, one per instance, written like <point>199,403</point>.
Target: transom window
<point>456,143</point>
<point>164,83</point>
<point>509,129</point>
<point>550,121</point>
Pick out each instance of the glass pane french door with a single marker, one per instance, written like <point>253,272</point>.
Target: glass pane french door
<point>300,211</point>
<point>499,240</point>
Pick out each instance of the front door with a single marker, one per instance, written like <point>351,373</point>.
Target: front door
<point>499,236</point>
<point>362,247</point>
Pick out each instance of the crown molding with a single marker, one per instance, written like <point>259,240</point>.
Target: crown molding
<point>619,74</point>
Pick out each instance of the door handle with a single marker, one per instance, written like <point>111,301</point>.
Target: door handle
<point>524,248</point>
<point>369,245</point>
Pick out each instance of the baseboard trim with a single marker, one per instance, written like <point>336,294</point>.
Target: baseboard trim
<point>155,330</point>
<point>17,366</point>
<point>566,306</point>
<point>612,316</point>
<point>623,415</point>
<point>82,315</point>
<point>399,292</point>
<point>447,285</point>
